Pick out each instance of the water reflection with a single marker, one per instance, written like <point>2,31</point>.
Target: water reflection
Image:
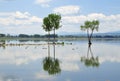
<point>2,44</point>
<point>90,59</point>
<point>51,64</point>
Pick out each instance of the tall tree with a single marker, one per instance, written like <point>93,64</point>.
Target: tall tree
<point>55,20</point>
<point>47,26</point>
<point>90,26</point>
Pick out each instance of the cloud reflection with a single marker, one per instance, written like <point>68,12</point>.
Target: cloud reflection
<point>9,78</point>
<point>44,76</point>
<point>69,60</point>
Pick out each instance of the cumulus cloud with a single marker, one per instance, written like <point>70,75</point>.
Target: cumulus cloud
<point>70,23</point>
<point>18,18</point>
<point>67,10</point>
<point>105,21</point>
<point>43,3</point>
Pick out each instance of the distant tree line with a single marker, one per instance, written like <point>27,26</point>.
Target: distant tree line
<point>62,36</point>
<point>29,36</point>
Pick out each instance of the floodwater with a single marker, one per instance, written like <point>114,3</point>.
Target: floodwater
<point>73,61</point>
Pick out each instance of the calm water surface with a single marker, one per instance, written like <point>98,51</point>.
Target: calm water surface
<point>73,61</point>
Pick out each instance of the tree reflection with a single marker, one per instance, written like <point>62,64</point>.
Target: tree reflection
<point>90,60</point>
<point>51,65</point>
<point>2,44</point>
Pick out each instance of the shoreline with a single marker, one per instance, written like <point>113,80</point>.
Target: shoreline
<point>51,39</point>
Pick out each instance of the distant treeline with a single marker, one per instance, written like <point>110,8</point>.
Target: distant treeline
<point>62,36</point>
<point>29,36</point>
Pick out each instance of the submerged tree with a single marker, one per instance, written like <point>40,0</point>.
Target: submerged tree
<point>90,26</point>
<point>55,20</point>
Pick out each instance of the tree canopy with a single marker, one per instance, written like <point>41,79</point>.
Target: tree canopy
<point>55,20</point>
<point>90,26</point>
<point>46,24</point>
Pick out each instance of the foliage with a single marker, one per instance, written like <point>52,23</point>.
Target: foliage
<point>47,26</point>
<point>23,35</point>
<point>90,26</point>
<point>2,35</point>
<point>55,20</point>
<point>52,22</point>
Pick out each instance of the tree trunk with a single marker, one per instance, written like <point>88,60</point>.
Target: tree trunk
<point>54,35</point>
<point>48,37</point>
<point>89,39</point>
<point>48,50</point>
<point>54,50</point>
<point>48,44</point>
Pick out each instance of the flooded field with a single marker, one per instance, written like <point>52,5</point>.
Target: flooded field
<point>69,61</point>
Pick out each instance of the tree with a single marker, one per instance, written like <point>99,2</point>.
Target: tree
<point>47,26</point>
<point>23,35</point>
<point>55,22</point>
<point>90,26</point>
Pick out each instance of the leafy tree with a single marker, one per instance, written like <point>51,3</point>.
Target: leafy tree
<point>36,36</point>
<point>2,35</point>
<point>55,22</point>
<point>90,26</point>
<point>47,26</point>
<point>23,35</point>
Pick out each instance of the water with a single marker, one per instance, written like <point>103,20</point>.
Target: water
<point>100,62</point>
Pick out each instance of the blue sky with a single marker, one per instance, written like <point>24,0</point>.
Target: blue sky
<point>25,16</point>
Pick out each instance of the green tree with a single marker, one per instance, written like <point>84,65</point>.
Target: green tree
<point>90,26</point>
<point>47,26</point>
<point>55,20</point>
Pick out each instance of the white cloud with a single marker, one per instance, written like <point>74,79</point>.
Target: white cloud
<point>18,18</point>
<point>43,3</point>
<point>19,14</point>
<point>67,10</point>
<point>70,23</point>
<point>105,21</point>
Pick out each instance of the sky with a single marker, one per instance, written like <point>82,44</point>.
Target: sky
<point>26,16</point>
